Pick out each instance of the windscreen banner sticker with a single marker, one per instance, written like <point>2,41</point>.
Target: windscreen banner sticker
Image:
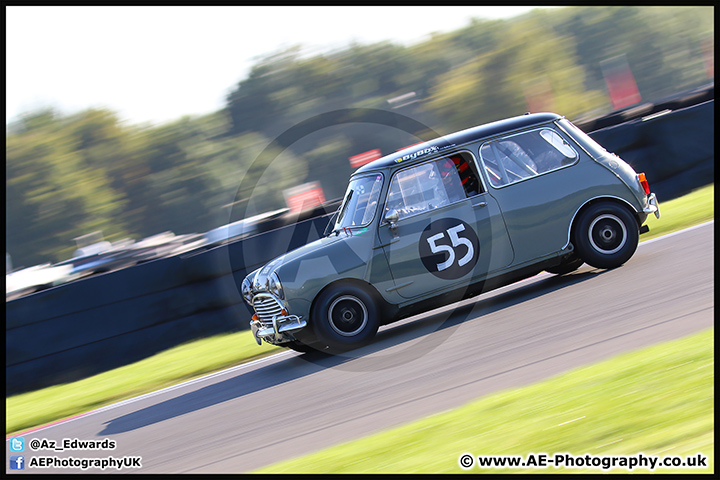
<point>449,248</point>
<point>419,153</point>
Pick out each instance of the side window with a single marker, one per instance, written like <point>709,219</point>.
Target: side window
<point>515,160</point>
<point>429,186</point>
<point>525,155</point>
<point>495,174</point>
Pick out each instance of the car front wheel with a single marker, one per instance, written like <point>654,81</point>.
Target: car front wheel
<point>606,235</point>
<point>345,317</point>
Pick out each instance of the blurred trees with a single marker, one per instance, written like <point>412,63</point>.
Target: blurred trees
<point>662,44</point>
<point>57,184</point>
<point>68,175</point>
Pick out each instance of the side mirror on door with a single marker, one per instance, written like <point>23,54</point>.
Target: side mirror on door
<point>392,217</point>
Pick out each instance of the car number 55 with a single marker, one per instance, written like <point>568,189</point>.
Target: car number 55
<point>449,248</point>
<point>456,242</point>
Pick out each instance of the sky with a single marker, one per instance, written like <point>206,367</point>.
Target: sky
<point>155,64</point>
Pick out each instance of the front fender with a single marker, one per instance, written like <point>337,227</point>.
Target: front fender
<point>304,276</point>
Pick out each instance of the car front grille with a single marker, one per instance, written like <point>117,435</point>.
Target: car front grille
<point>266,307</point>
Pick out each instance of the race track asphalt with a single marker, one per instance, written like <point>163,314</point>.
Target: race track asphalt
<point>290,404</point>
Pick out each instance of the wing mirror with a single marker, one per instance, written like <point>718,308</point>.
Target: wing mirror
<point>392,217</point>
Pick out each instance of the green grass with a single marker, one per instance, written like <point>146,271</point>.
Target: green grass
<point>658,401</point>
<point>32,409</point>
<point>167,368</point>
<point>692,209</point>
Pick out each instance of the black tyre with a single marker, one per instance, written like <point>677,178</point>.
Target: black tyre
<point>345,317</point>
<point>606,235</point>
<point>567,266</point>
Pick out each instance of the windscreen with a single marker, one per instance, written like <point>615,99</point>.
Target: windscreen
<point>360,203</point>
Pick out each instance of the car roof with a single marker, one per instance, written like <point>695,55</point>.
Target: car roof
<point>462,137</point>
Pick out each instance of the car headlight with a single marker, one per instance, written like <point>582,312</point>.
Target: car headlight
<point>247,289</point>
<point>274,286</point>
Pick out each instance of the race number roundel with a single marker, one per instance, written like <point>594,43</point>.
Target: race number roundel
<point>449,248</point>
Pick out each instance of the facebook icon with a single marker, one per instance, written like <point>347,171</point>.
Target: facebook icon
<point>17,462</point>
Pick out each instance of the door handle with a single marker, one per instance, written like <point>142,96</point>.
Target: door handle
<point>481,204</point>
<point>395,239</point>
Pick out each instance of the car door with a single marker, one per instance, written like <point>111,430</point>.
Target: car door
<point>437,238</point>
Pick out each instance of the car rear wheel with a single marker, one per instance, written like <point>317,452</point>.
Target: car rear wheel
<point>606,235</point>
<point>345,317</point>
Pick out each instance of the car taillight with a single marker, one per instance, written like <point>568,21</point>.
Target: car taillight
<point>643,181</point>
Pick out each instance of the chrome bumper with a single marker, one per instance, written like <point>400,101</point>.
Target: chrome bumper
<point>652,206</point>
<point>276,334</point>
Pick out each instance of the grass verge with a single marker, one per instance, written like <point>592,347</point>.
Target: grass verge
<point>170,367</point>
<point>692,209</point>
<point>187,361</point>
<point>658,401</point>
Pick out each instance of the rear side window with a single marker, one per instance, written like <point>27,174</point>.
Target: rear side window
<point>525,155</point>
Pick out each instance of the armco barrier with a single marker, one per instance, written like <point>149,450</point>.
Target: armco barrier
<point>105,321</point>
<point>109,320</point>
<point>675,150</point>
<point>679,101</point>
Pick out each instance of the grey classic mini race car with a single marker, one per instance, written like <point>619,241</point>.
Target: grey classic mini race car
<point>449,219</point>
